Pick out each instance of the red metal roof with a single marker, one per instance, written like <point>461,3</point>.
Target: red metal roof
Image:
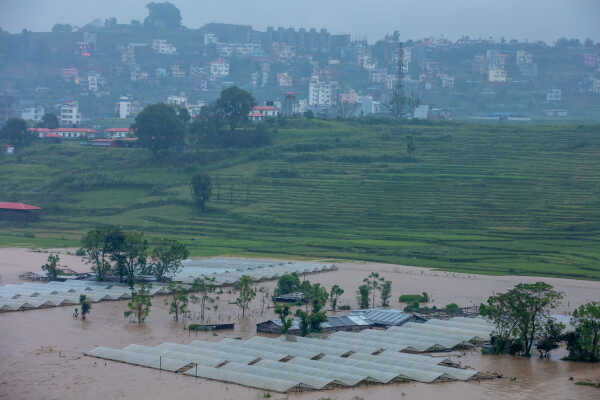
<point>17,206</point>
<point>117,130</point>
<point>39,129</point>
<point>263,108</point>
<point>53,136</point>
<point>75,130</point>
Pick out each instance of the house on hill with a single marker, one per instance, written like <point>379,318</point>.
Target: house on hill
<point>18,212</point>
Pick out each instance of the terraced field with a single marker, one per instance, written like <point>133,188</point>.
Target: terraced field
<point>491,198</point>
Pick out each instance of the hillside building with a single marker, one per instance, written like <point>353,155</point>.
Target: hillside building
<point>69,114</point>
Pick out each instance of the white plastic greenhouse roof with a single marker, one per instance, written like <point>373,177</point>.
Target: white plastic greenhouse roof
<point>30,295</point>
<point>227,270</point>
<point>288,364</point>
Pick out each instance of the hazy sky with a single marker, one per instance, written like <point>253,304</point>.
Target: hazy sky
<point>532,19</point>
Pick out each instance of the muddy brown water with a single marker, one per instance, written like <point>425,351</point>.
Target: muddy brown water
<point>41,351</point>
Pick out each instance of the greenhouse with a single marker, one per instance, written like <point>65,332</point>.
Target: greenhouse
<point>292,363</point>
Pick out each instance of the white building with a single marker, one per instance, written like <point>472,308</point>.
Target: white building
<point>210,38</point>
<point>124,107</point>
<point>69,114</point>
<point>93,82</point>
<point>496,75</point>
<point>34,113</point>
<point>553,95</point>
<point>178,101</point>
<point>595,86</point>
<point>321,93</point>
<point>161,46</point>
<point>219,69</point>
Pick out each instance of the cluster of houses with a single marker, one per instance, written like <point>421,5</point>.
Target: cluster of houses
<point>111,137</point>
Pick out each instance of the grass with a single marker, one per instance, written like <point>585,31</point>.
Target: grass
<point>487,199</point>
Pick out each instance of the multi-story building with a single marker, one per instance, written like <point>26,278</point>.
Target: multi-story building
<point>161,46</point>
<point>554,95</point>
<point>322,94</point>
<point>523,57</point>
<point>177,72</point>
<point>178,101</point>
<point>34,113</point>
<point>93,82</point>
<point>125,107</point>
<point>595,87</point>
<point>219,69</point>
<point>497,75</point>
<point>284,79</point>
<point>69,114</point>
<point>447,81</point>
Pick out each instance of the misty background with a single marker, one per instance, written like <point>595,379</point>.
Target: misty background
<point>512,19</point>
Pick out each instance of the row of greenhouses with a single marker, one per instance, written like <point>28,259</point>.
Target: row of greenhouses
<point>291,363</point>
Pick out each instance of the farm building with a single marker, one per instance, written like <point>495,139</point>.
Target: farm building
<point>18,211</point>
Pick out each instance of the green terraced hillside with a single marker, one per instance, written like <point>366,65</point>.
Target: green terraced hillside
<point>477,198</point>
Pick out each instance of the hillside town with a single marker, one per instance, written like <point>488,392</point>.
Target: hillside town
<point>102,74</point>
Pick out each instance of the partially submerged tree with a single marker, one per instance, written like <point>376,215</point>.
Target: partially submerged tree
<point>522,311</point>
<point>140,303</point>
<point>85,304</point>
<point>362,295</point>
<point>373,283</point>
<point>386,293</point>
<point>135,250</point>
<point>288,283</point>
<point>283,311</point>
<point>549,337</point>
<point>584,343</point>
<point>167,258</point>
<point>179,300</point>
<point>245,293</point>
<point>201,187</point>
<point>204,286</point>
<point>304,322</point>
<point>51,267</point>
<point>98,247</point>
<point>334,294</point>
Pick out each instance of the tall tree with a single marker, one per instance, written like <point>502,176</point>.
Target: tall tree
<point>179,300</point>
<point>135,250</point>
<point>334,295</point>
<point>245,293</point>
<point>51,267</point>
<point>162,16</point>
<point>522,311</point>
<point>204,286</point>
<point>201,187</point>
<point>49,121</point>
<point>373,282</point>
<point>233,105</point>
<point>362,295</point>
<point>287,283</point>
<point>159,128</point>
<point>139,305</point>
<point>386,293</point>
<point>167,258</point>
<point>15,132</point>
<point>100,244</point>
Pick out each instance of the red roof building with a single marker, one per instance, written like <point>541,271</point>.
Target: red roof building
<point>17,206</point>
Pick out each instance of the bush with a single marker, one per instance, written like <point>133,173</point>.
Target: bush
<point>344,307</point>
<point>414,298</point>
<point>452,308</point>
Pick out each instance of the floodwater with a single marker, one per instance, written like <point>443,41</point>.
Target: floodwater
<point>41,351</point>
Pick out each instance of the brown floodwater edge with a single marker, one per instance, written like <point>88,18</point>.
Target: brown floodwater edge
<point>41,351</point>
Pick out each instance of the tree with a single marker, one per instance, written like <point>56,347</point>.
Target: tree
<point>373,282</point>
<point>334,294</point>
<point>205,286</point>
<point>201,187</point>
<point>246,293</point>
<point>159,128</point>
<point>51,267</point>
<point>363,296</point>
<point>284,311</point>
<point>85,304</point>
<point>319,297</point>
<point>162,16</point>
<point>584,343</point>
<point>49,121</point>
<point>140,304</point>
<point>304,322</point>
<point>386,293</point>
<point>99,244</point>
<point>135,249</point>
<point>62,28</point>
<point>410,146</point>
<point>309,114</point>
<point>15,132</point>
<point>549,337</point>
<point>167,258</point>
<point>179,300</point>
<point>287,283</point>
<point>315,320</point>
<point>522,311</point>
<point>233,105</point>
<point>184,115</point>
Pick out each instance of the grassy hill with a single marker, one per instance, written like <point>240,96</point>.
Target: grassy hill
<point>492,199</point>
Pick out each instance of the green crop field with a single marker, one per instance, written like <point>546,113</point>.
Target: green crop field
<point>493,199</point>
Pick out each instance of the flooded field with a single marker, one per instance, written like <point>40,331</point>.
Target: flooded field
<point>41,351</point>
